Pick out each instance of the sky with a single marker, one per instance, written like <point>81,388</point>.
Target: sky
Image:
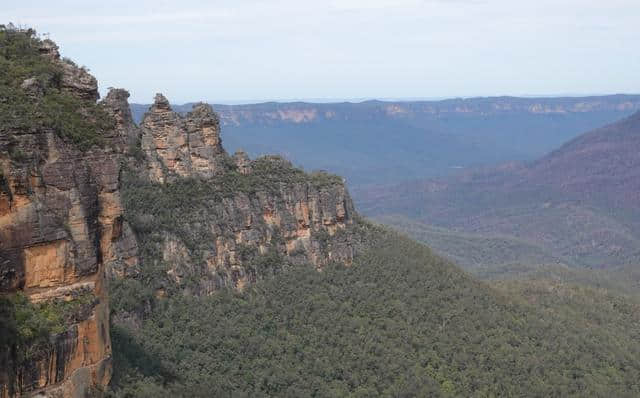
<point>232,51</point>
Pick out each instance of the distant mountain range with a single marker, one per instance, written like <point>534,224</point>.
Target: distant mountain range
<point>386,142</point>
<point>579,205</point>
<point>145,261</point>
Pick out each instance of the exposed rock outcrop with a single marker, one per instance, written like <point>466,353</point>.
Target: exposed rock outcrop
<point>243,219</point>
<point>179,146</point>
<point>79,82</point>
<point>202,218</point>
<point>242,162</point>
<point>57,216</point>
<point>61,225</point>
<point>75,80</point>
<point>127,133</point>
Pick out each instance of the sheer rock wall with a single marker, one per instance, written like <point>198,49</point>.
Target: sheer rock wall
<point>61,226</point>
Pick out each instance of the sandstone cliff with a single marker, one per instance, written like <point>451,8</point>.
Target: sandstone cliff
<point>88,198</point>
<point>209,220</point>
<point>57,221</point>
<point>61,224</point>
<point>183,146</point>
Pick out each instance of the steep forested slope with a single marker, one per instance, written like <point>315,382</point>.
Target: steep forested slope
<point>399,322</point>
<point>580,203</point>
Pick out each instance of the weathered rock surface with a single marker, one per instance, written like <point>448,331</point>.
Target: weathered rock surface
<point>57,218</point>
<point>205,219</point>
<point>127,133</point>
<point>179,146</point>
<point>61,225</point>
<point>243,219</point>
<point>242,162</point>
<point>75,80</point>
<point>299,224</point>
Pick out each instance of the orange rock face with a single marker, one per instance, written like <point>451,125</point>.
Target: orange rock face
<point>61,227</point>
<point>55,241</point>
<point>188,146</point>
<point>45,265</point>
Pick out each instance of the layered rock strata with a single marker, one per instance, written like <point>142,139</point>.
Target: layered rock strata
<point>61,226</point>
<point>205,219</point>
<point>178,146</point>
<point>250,211</point>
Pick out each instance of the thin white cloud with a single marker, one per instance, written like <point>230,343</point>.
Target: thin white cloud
<point>373,4</point>
<point>201,49</point>
<point>151,18</point>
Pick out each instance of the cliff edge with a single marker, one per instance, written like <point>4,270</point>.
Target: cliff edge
<point>89,199</point>
<point>61,222</point>
<point>209,220</point>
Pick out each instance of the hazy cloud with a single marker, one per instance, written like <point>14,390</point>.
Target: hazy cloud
<point>265,49</point>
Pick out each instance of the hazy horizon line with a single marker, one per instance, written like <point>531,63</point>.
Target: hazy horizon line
<point>359,100</point>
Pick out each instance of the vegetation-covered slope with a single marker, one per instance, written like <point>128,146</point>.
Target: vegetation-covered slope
<point>399,322</point>
<point>579,203</point>
<point>473,252</point>
<point>35,91</point>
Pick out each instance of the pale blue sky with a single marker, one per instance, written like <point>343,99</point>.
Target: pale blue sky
<point>234,50</point>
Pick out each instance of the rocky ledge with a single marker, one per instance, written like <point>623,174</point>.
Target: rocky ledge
<point>211,220</point>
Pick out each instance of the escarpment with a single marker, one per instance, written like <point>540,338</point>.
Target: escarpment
<point>92,204</point>
<point>61,222</point>
<point>209,220</point>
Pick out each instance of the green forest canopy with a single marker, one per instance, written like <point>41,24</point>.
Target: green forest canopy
<point>399,322</point>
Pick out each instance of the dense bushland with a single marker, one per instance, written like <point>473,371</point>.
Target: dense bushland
<point>29,329</point>
<point>400,322</point>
